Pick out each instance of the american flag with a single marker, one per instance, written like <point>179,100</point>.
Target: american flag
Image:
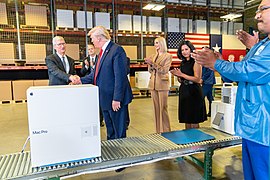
<point>174,39</point>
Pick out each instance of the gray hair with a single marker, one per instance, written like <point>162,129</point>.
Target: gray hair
<point>57,38</point>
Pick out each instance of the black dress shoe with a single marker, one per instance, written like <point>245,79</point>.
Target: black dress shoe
<point>119,170</point>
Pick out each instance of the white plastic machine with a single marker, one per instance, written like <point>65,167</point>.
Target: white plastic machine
<point>63,124</point>
<point>222,112</point>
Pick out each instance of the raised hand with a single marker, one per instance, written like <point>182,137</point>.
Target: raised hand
<point>247,39</point>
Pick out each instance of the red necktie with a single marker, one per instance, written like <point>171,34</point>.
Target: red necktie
<point>97,65</point>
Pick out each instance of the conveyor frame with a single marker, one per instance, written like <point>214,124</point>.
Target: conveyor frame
<point>119,153</point>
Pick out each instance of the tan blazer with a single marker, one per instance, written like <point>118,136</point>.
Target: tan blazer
<point>159,70</point>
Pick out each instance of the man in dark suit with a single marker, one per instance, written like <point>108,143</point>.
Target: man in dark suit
<point>89,61</point>
<point>110,75</point>
<point>61,68</point>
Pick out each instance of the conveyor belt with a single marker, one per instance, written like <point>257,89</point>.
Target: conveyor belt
<point>114,154</point>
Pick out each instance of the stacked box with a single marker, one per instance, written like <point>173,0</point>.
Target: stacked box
<point>42,82</point>
<point>239,4</point>
<point>186,25</point>
<point>215,27</point>
<point>200,2</point>
<point>224,27</point>
<point>154,24</point>
<point>6,92</point>
<point>81,19</point>
<point>173,24</point>
<point>215,3</point>
<point>19,89</point>
<point>199,26</point>
<point>124,22</point>
<point>137,23</point>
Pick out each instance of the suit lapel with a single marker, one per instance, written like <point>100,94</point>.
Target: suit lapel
<point>160,58</point>
<point>106,52</point>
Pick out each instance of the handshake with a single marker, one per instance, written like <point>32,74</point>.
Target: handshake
<point>75,80</point>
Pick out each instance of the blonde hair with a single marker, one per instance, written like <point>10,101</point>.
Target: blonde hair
<point>162,43</point>
<point>100,31</point>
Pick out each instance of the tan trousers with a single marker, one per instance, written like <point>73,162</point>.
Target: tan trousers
<point>161,115</point>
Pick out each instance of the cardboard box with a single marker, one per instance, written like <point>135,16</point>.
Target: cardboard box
<point>60,131</point>
<point>41,82</point>
<point>19,89</point>
<point>6,91</point>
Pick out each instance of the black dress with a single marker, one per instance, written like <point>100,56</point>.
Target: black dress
<point>191,103</point>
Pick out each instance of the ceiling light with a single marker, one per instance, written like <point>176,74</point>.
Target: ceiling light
<point>154,7</point>
<point>231,16</point>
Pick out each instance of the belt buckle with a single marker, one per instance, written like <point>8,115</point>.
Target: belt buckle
<point>185,82</point>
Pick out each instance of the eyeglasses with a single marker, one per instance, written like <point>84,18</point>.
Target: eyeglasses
<point>61,44</point>
<point>261,9</point>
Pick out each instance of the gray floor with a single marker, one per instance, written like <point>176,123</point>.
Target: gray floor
<point>226,162</point>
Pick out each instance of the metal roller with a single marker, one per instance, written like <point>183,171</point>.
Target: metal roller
<point>118,152</point>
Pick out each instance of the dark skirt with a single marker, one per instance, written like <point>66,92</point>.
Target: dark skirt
<point>191,104</point>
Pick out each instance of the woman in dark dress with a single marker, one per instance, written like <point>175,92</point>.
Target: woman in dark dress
<point>191,103</point>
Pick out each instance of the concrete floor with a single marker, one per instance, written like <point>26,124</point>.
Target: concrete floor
<point>226,162</point>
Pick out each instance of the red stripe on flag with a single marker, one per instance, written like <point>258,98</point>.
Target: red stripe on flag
<point>173,52</point>
<point>198,40</point>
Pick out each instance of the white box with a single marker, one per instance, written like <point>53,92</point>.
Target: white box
<point>199,26</point>
<point>186,25</point>
<point>154,24</point>
<point>102,19</point>
<point>124,22</point>
<point>230,29</point>
<point>81,19</point>
<point>224,112</point>
<point>173,1</point>
<point>200,2</point>
<point>142,79</point>
<point>137,23</point>
<point>186,1</point>
<point>239,4</point>
<point>173,24</point>
<point>224,27</point>
<point>215,27</point>
<point>65,18</point>
<point>63,124</point>
<point>237,26</point>
<point>215,3</point>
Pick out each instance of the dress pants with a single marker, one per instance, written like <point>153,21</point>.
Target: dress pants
<point>116,122</point>
<point>161,115</point>
<point>255,159</point>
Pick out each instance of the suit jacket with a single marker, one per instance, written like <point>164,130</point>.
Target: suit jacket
<point>84,70</point>
<point>159,70</point>
<point>112,77</point>
<point>56,71</point>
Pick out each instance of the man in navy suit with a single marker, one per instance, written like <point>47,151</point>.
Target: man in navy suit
<point>110,75</point>
<point>61,68</point>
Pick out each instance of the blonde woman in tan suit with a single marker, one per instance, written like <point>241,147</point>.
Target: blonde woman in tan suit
<point>159,65</point>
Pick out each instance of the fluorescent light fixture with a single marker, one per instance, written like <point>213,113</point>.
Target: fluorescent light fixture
<point>231,16</point>
<point>154,7</point>
<point>149,6</point>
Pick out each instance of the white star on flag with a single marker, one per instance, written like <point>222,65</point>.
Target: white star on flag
<point>216,48</point>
